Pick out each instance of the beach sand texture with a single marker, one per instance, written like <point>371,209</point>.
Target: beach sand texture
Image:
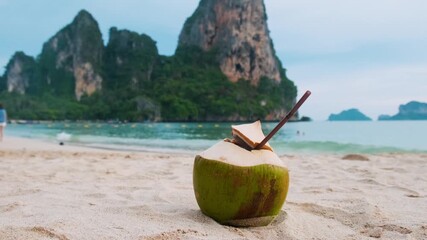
<point>49,191</point>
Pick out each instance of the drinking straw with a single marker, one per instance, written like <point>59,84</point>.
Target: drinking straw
<point>284,120</point>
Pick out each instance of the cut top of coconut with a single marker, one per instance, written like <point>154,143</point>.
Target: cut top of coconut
<point>232,154</point>
<point>249,135</point>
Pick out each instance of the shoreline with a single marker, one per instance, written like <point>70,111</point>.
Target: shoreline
<point>48,191</point>
<point>310,138</point>
<point>308,147</point>
<point>309,150</point>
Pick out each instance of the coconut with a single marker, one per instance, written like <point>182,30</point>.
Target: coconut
<point>238,186</point>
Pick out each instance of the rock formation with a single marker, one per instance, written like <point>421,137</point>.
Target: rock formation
<point>74,56</point>
<point>237,30</point>
<point>411,111</point>
<point>223,42</point>
<point>130,58</point>
<point>19,72</point>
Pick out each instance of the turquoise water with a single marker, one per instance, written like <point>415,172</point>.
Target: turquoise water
<point>298,137</point>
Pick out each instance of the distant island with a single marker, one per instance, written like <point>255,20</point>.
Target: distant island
<point>225,68</point>
<point>352,114</point>
<point>411,111</point>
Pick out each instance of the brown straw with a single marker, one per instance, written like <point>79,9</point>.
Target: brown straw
<point>284,120</point>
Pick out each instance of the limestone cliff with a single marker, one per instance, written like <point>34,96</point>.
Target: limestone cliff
<point>129,59</point>
<point>237,30</point>
<point>19,72</point>
<point>72,58</point>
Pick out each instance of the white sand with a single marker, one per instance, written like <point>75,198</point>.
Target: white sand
<point>49,191</point>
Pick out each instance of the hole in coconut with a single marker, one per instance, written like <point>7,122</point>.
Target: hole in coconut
<point>239,142</point>
<point>248,136</point>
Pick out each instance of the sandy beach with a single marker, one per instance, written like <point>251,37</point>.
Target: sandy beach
<point>49,191</point>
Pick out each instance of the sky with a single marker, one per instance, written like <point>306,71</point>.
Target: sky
<point>365,54</point>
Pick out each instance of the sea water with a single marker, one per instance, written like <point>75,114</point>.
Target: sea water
<point>294,137</point>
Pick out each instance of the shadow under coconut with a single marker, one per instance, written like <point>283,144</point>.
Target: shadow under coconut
<point>263,221</point>
<point>200,217</point>
<point>281,217</point>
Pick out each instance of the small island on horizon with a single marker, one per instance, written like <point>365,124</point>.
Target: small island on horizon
<point>352,114</point>
<point>413,110</point>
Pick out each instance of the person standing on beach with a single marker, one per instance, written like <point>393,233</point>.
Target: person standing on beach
<point>3,121</point>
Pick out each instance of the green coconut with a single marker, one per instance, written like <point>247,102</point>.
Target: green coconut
<point>240,187</point>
